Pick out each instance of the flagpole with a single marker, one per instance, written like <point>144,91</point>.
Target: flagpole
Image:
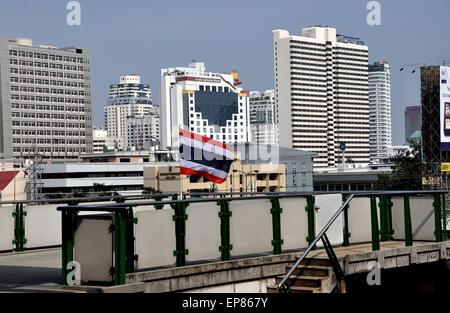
<point>179,156</point>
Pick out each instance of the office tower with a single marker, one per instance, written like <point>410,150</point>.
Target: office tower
<point>142,132</point>
<point>127,99</point>
<point>321,94</point>
<point>45,100</point>
<point>413,120</point>
<point>262,117</point>
<point>100,140</point>
<point>207,103</point>
<point>380,121</point>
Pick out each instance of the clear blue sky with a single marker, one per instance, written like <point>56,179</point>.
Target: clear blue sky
<point>143,36</point>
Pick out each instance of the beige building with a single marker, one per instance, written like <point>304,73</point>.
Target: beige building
<point>241,178</point>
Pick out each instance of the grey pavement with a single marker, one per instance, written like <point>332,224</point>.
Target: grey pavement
<point>30,271</point>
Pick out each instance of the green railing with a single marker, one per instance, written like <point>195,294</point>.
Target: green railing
<point>123,228</point>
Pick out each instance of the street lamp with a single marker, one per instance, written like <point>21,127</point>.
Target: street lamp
<point>240,171</point>
<point>246,178</point>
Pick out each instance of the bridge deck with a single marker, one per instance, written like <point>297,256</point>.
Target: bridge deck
<point>41,269</point>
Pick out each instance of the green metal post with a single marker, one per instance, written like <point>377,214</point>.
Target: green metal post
<point>19,227</point>
<point>180,218</point>
<point>346,241</point>
<point>374,223</point>
<point>408,224</point>
<point>384,219</point>
<point>120,248</point>
<point>276,211</point>
<point>224,215</point>
<point>444,218</point>
<point>390,229</point>
<point>311,223</point>
<point>130,256</point>
<point>437,217</point>
<point>67,241</point>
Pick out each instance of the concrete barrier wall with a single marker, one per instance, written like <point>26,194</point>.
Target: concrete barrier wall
<point>294,223</point>
<point>6,228</point>
<point>251,226</point>
<point>155,238</point>
<point>359,221</point>
<point>422,217</point>
<point>203,231</point>
<point>42,226</point>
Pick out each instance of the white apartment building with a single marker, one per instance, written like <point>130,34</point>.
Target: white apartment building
<point>129,98</point>
<point>321,94</point>
<point>263,118</point>
<point>142,132</point>
<point>380,134</point>
<point>101,141</point>
<point>45,100</point>
<point>207,103</point>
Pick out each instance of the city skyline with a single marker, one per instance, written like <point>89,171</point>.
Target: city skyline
<point>402,38</point>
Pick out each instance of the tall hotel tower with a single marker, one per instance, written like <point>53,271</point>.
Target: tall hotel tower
<point>207,103</point>
<point>380,134</point>
<point>45,100</point>
<point>321,94</point>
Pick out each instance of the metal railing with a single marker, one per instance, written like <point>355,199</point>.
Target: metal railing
<point>123,212</point>
<point>440,229</point>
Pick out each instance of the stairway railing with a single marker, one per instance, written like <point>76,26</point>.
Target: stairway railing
<point>281,285</point>
<point>439,227</point>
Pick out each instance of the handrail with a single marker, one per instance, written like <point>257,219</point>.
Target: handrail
<point>264,195</point>
<point>261,195</point>
<point>314,242</point>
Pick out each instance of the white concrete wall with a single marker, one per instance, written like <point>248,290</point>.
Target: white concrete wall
<point>6,228</point>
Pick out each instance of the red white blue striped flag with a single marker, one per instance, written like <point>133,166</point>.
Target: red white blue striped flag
<point>203,156</point>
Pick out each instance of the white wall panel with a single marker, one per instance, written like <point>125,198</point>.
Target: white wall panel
<point>359,222</point>
<point>328,205</point>
<point>203,231</point>
<point>155,238</point>
<point>251,226</point>
<point>6,228</point>
<point>294,223</point>
<point>42,226</point>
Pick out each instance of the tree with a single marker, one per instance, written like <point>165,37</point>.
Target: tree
<point>407,171</point>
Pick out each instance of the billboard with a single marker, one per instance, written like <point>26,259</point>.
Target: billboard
<point>445,107</point>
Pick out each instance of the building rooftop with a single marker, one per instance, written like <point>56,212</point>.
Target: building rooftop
<point>6,177</point>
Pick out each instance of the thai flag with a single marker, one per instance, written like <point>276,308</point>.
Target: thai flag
<point>203,156</point>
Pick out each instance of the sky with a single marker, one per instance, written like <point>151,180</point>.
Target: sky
<point>144,36</point>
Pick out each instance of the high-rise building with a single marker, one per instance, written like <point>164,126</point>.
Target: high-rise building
<point>210,104</point>
<point>380,121</point>
<point>262,118</point>
<point>142,132</point>
<point>413,120</point>
<point>45,100</point>
<point>128,99</point>
<point>321,94</point>
<point>100,140</point>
